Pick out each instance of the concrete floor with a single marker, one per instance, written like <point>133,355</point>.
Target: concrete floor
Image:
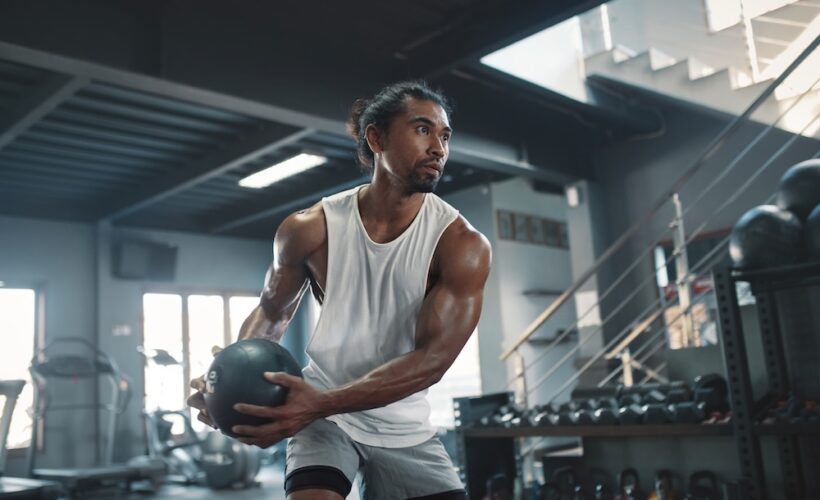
<point>272,488</point>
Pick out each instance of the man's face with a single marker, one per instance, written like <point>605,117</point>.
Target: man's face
<point>416,145</point>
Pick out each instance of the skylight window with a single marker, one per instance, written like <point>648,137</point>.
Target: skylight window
<point>552,58</point>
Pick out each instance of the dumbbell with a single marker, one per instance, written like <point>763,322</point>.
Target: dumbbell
<point>703,485</point>
<point>605,412</point>
<point>500,418</point>
<point>678,395</point>
<point>582,417</point>
<point>712,390</point>
<point>632,414</point>
<point>688,412</point>
<point>655,413</point>
<point>631,398</point>
<point>653,397</point>
<point>545,418</point>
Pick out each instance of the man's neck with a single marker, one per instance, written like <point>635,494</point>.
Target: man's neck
<point>383,203</point>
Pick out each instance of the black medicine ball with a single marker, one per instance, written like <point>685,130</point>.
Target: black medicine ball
<point>812,231</point>
<point>236,375</point>
<point>765,236</point>
<point>799,190</point>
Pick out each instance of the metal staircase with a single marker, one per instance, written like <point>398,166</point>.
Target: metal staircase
<point>682,48</point>
<point>683,314</point>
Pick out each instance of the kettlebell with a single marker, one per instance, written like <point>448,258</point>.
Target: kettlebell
<point>550,491</point>
<point>567,480</point>
<point>703,485</point>
<point>629,485</point>
<point>663,487</point>
<point>602,481</point>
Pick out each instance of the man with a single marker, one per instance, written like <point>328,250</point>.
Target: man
<point>400,276</point>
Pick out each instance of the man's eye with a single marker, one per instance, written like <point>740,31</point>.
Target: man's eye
<point>423,129</point>
<point>446,138</point>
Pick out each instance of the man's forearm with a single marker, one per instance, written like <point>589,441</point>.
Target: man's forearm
<point>257,325</point>
<point>391,382</point>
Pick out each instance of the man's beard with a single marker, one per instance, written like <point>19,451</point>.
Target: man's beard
<point>422,183</point>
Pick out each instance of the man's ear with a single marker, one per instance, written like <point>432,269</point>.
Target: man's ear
<point>375,139</point>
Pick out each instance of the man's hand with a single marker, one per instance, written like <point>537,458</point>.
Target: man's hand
<point>197,399</point>
<point>303,405</point>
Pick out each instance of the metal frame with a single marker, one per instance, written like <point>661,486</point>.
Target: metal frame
<point>778,377</point>
<point>741,398</point>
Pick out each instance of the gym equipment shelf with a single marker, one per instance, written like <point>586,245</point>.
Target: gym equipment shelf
<point>603,430</point>
<point>787,429</point>
<point>764,284</point>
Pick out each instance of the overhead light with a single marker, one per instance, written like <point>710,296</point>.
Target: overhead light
<point>281,170</point>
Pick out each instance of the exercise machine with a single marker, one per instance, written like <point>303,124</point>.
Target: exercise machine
<point>71,360</point>
<point>212,460</point>
<point>18,487</point>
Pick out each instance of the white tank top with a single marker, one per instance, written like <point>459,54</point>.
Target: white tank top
<point>373,295</point>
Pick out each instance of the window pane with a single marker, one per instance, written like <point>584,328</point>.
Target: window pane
<point>462,379</point>
<point>240,308</point>
<point>17,317</point>
<point>162,329</point>
<point>206,328</point>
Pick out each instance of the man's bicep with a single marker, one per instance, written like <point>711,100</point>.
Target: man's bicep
<point>452,308</point>
<point>287,277</point>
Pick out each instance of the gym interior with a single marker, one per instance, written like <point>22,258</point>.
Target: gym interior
<point>645,172</point>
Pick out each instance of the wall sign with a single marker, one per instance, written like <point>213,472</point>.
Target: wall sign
<point>531,229</point>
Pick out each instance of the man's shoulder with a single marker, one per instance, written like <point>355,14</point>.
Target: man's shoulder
<point>463,254</point>
<point>302,232</point>
<point>461,239</point>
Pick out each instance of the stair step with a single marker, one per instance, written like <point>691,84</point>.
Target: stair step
<point>798,12</point>
<point>641,60</point>
<point>777,30</point>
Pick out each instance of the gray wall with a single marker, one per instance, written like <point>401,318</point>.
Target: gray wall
<point>57,259</point>
<point>204,264</point>
<point>637,173</point>
<point>60,260</point>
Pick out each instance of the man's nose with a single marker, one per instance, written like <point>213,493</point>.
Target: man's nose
<point>437,147</point>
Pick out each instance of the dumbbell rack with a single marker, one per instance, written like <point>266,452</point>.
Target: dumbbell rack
<point>747,433</point>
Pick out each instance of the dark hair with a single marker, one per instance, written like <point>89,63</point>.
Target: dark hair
<point>379,110</point>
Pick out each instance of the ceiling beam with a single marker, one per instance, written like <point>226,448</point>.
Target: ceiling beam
<point>483,29</point>
<point>153,85</point>
<point>260,143</point>
<point>288,206</point>
<point>36,104</point>
<point>476,151</point>
<point>502,160</point>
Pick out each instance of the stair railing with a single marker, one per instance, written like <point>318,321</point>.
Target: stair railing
<point>708,153</point>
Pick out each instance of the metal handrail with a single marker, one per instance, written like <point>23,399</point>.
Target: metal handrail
<point>594,359</point>
<point>657,302</point>
<point>658,346</point>
<point>643,284</point>
<point>705,259</point>
<point>707,153</point>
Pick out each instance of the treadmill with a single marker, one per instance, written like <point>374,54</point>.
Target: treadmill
<point>18,487</point>
<point>73,359</point>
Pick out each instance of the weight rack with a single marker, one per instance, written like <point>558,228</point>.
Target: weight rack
<point>765,285</point>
